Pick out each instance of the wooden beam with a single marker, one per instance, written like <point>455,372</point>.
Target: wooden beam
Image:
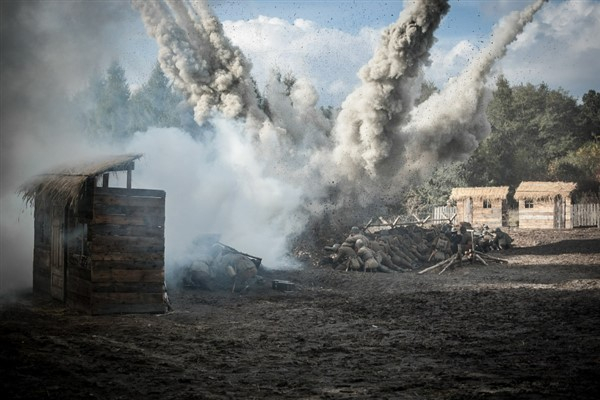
<point>129,178</point>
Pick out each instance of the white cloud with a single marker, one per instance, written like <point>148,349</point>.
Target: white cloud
<point>330,58</point>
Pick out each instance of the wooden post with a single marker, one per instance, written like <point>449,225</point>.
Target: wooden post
<point>105,180</point>
<point>129,178</point>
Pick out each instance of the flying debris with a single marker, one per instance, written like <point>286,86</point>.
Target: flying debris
<point>379,143</point>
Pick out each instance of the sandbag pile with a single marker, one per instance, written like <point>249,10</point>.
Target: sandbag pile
<point>398,249</point>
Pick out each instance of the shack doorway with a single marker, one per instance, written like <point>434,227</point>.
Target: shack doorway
<point>57,254</point>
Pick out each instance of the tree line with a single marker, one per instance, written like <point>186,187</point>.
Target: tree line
<point>537,133</point>
<point>109,111</point>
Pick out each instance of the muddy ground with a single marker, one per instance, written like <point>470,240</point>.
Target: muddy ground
<point>529,329</point>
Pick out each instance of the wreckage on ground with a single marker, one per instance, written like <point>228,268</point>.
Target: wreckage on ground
<point>216,266</point>
<point>387,247</point>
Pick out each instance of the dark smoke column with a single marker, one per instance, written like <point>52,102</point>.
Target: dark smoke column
<point>371,115</point>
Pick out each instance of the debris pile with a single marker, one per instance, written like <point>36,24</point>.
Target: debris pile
<point>397,249</point>
<point>407,248</point>
<point>218,266</point>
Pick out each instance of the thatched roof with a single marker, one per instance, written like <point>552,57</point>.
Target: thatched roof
<point>63,184</point>
<point>479,193</point>
<point>543,190</point>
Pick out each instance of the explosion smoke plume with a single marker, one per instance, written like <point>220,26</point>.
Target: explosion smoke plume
<point>371,115</point>
<point>379,141</point>
<point>204,65</point>
<point>450,125</point>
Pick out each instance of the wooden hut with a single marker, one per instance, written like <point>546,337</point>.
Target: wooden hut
<point>481,205</point>
<point>545,205</point>
<point>97,248</point>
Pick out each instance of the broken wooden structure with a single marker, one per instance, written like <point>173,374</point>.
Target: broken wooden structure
<point>482,205</point>
<point>97,248</point>
<point>470,256</point>
<point>545,205</point>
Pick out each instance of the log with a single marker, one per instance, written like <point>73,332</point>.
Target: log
<point>432,254</point>
<point>449,265</point>
<point>449,260</point>
<point>477,256</point>
<point>502,260</point>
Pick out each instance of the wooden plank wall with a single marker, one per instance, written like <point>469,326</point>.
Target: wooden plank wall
<point>586,215</point>
<point>127,251</point>
<point>489,216</point>
<point>541,216</point>
<point>79,289</point>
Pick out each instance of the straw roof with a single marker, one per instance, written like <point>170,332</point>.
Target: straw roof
<point>63,184</point>
<point>543,190</point>
<point>479,193</point>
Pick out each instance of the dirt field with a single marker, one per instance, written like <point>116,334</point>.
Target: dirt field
<point>529,329</point>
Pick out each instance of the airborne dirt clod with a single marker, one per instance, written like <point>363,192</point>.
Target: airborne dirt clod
<point>527,329</point>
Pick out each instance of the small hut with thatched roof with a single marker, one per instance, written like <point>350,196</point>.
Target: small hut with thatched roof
<point>545,205</point>
<point>481,205</point>
<point>97,248</point>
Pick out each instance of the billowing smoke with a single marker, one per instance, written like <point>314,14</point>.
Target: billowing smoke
<point>41,66</point>
<point>259,172</point>
<point>372,114</point>
<point>384,143</point>
<point>217,186</point>
<point>379,144</point>
<point>450,125</point>
<point>194,52</point>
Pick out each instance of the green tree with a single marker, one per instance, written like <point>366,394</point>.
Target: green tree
<point>531,126</point>
<point>111,116</point>
<point>589,116</point>
<point>487,166</point>
<point>155,104</point>
<point>579,165</point>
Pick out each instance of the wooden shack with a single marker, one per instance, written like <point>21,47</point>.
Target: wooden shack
<point>545,205</point>
<point>98,248</point>
<point>481,205</point>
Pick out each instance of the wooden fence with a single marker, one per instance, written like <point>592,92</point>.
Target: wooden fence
<point>586,215</point>
<point>442,215</point>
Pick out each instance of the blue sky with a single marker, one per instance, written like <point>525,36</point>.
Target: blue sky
<point>328,41</point>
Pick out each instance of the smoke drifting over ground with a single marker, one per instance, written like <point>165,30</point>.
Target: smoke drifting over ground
<point>40,66</point>
<point>260,173</point>
<point>217,187</point>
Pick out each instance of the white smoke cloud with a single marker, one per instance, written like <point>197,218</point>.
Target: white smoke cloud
<point>450,125</point>
<point>217,187</point>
